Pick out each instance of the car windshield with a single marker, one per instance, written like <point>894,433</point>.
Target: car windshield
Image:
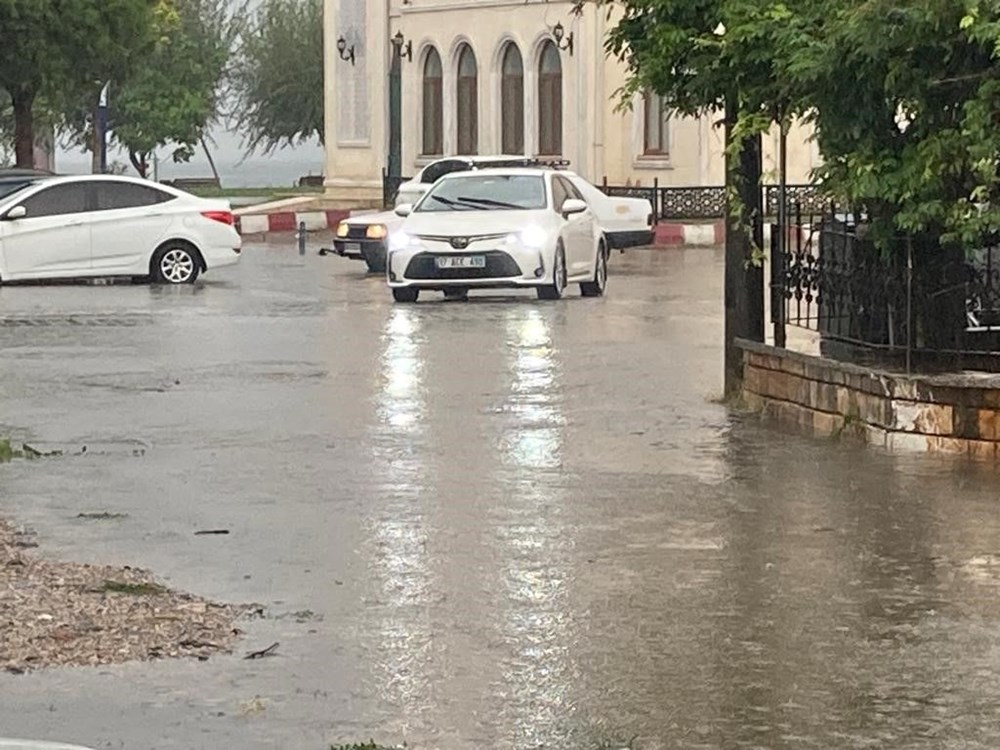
<point>486,193</point>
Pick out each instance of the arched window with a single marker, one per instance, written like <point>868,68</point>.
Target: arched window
<point>512,101</point>
<point>468,102</point>
<point>433,125</point>
<point>550,123</point>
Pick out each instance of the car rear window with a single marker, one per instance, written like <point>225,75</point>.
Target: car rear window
<point>11,187</point>
<point>112,195</point>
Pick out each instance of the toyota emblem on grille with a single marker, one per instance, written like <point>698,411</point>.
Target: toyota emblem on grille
<point>459,243</point>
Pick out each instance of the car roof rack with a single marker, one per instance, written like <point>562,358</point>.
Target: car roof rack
<point>527,161</point>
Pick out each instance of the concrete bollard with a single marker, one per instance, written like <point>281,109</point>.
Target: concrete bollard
<point>301,236</point>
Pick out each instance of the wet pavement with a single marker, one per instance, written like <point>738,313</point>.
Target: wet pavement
<point>502,523</point>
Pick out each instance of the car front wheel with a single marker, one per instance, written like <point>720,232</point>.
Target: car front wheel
<point>175,263</point>
<point>596,287</point>
<point>405,294</point>
<point>558,286</point>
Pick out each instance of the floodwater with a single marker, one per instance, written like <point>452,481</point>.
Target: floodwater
<point>502,523</point>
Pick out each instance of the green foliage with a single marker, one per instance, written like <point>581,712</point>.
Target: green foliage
<point>171,95</point>
<point>903,96</point>
<point>55,48</point>
<point>277,82</point>
<point>8,452</point>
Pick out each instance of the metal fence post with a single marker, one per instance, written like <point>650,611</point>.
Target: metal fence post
<point>909,302</point>
<point>655,202</point>
<point>301,237</point>
<point>778,285</point>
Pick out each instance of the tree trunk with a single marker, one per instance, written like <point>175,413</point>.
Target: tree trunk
<point>744,280</point>
<point>24,128</point>
<point>211,161</point>
<point>139,162</point>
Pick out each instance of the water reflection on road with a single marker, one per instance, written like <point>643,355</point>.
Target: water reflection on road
<point>519,525</point>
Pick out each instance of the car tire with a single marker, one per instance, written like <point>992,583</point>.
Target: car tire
<point>405,294</point>
<point>458,293</point>
<point>375,261</point>
<point>175,263</point>
<point>556,289</point>
<point>596,287</point>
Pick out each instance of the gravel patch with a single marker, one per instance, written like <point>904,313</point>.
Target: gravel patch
<point>58,613</point>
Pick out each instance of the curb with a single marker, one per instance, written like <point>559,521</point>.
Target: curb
<point>288,221</point>
<point>666,234</point>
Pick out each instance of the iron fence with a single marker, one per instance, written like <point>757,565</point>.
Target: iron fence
<point>674,203</point>
<point>913,299</point>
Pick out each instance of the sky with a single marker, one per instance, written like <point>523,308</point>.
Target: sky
<point>281,169</point>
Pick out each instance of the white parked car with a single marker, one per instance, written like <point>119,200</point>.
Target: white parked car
<point>413,189</point>
<point>515,227</point>
<point>103,225</point>
<point>364,237</point>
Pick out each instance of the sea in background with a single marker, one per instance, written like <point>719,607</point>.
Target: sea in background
<point>283,168</point>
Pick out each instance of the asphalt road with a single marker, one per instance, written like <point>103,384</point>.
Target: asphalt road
<point>503,523</point>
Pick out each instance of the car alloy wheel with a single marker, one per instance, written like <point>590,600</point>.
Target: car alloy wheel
<point>175,264</point>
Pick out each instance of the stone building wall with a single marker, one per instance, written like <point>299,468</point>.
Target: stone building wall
<point>957,413</point>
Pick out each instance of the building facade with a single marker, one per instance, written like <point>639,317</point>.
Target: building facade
<point>505,76</point>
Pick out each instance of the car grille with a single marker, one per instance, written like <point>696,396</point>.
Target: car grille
<point>499,265</point>
<point>356,233</point>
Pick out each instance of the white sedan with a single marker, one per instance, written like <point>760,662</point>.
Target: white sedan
<point>626,222</point>
<point>102,225</point>
<point>498,228</point>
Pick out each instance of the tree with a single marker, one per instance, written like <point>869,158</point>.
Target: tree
<point>706,57</point>
<point>277,81</point>
<point>171,95</point>
<point>55,47</point>
<point>903,98</point>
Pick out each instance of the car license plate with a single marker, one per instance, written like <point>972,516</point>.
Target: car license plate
<point>352,247</point>
<point>462,261</point>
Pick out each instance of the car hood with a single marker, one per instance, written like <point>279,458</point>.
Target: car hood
<point>379,217</point>
<point>474,223</point>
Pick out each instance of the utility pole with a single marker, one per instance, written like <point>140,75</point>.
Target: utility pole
<point>744,279</point>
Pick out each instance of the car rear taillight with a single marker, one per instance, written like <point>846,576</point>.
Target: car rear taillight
<point>224,217</point>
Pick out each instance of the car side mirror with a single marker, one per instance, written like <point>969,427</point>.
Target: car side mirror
<point>18,212</point>
<point>573,206</point>
<point>404,209</point>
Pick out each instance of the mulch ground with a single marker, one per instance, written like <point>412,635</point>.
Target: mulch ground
<point>59,613</point>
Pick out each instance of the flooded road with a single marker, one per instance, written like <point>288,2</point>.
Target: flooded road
<point>502,523</point>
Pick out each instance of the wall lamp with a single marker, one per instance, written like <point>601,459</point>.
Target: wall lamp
<point>563,40</point>
<point>346,53</point>
<point>403,47</point>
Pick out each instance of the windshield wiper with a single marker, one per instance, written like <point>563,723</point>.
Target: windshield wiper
<point>488,202</point>
<point>449,202</point>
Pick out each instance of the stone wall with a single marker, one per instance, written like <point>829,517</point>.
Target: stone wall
<point>956,413</point>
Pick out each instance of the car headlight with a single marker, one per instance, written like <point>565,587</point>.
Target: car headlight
<point>342,229</point>
<point>375,232</point>
<point>401,240</point>
<point>530,237</point>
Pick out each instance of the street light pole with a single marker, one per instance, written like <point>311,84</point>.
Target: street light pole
<point>102,127</point>
<point>395,166</point>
